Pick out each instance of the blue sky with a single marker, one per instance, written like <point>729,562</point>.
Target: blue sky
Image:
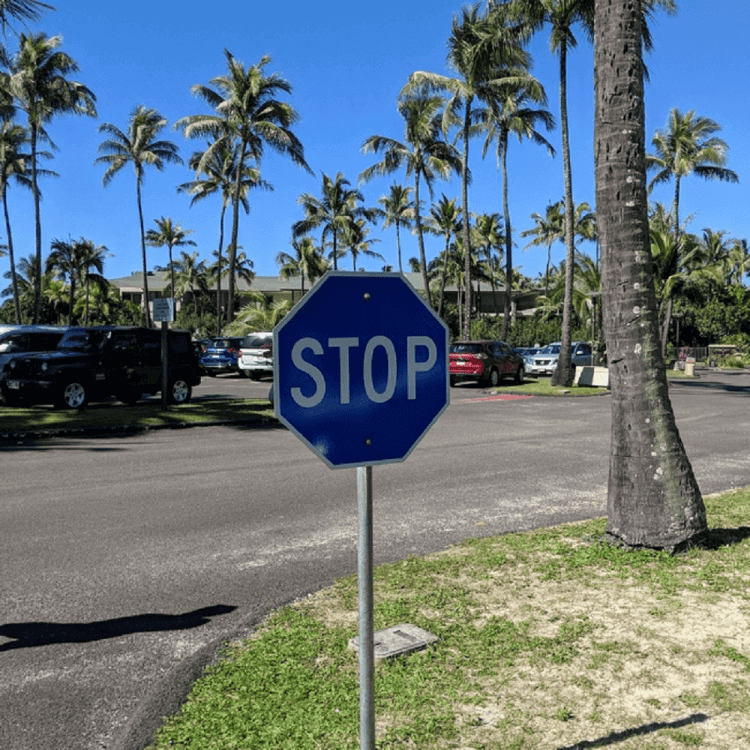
<point>347,64</point>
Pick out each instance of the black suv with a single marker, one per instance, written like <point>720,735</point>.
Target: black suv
<point>93,364</point>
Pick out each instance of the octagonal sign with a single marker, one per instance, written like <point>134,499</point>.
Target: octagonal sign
<point>361,368</point>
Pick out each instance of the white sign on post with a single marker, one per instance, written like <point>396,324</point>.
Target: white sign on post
<point>163,310</point>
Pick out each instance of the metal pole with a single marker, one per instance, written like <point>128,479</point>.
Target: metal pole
<point>366,631</point>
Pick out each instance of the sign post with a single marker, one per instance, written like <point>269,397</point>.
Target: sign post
<point>360,375</point>
<point>164,312</point>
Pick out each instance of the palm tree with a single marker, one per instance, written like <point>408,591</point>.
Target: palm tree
<point>687,146</point>
<point>485,55</point>
<point>138,146</point>
<point>216,173</point>
<point>424,153</point>
<point>64,264</point>
<point>259,315</point>
<point>91,269</point>
<point>21,10</point>
<point>307,262</point>
<point>444,219</point>
<point>336,210</point>
<point>738,262</point>
<point>170,235</point>
<point>653,498</point>
<point>547,230</point>
<point>487,232</point>
<point>397,211</point>
<point>511,112</point>
<point>37,80</point>
<point>247,115</point>
<point>14,164</point>
<point>191,276</point>
<point>354,239</point>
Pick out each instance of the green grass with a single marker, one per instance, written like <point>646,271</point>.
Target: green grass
<point>543,387</point>
<point>144,415</point>
<point>546,638</point>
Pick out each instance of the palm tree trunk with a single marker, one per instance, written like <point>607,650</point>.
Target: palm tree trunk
<point>146,310</point>
<point>563,375</point>
<point>466,218</point>
<point>12,261</point>
<point>219,269</point>
<point>232,249</point>
<point>420,236</point>
<point>398,247</point>
<point>443,276</point>
<point>653,499</point>
<point>508,243</point>
<point>37,226</point>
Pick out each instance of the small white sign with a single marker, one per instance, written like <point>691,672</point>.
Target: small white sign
<point>163,310</point>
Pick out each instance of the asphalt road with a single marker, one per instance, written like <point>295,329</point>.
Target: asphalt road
<point>127,560</point>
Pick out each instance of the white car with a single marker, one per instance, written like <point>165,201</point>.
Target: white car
<point>256,355</point>
<point>544,362</point>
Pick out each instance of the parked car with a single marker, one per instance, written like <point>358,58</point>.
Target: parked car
<point>527,352</point>
<point>545,361</point>
<point>93,364</point>
<point>256,355</point>
<point>24,339</point>
<point>485,361</point>
<point>221,355</point>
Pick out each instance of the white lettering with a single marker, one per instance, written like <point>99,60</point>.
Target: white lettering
<point>344,344</point>
<point>308,402</point>
<point>412,366</point>
<point>390,387</point>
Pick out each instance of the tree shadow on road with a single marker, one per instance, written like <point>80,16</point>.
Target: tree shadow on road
<point>31,634</point>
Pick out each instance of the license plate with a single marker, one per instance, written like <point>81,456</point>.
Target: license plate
<point>14,385</point>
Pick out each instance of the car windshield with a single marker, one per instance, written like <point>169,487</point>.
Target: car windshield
<point>551,349</point>
<point>257,342</point>
<point>466,348</point>
<point>76,340</point>
<point>224,343</point>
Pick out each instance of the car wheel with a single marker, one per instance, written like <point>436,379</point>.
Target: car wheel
<point>453,380</point>
<point>519,374</point>
<point>494,378</point>
<point>73,395</point>
<point>180,391</point>
<point>254,375</point>
<point>210,373</point>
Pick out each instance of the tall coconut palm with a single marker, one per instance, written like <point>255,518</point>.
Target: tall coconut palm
<point>424,153</point>
<point>63,263</point>
<point>170,235</point>
<point>191,276</point>
<point>484,55</point>
<point>653,499</point>
<point>214,174</point>
<point>397,211</point>
<point>511,111</point>
<point>686,146</point>
<point>246,114</point>
<point>307,262</point>
<point>335,211</point>
<point>547,230</point>
<point>738,262</point>
<point>488,233</point>
<point>38,83</point>
<point>91,269</point>
<point>445,220</point>
<point>354,239</point>
<point>14,166</point>
<point>140,146</point>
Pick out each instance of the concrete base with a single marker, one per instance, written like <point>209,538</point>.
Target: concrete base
<point>399,639</point>
<point>595,376</point>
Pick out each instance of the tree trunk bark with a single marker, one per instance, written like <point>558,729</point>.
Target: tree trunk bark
<point>653,498</point>
<point>563,375</point>
<point>466,219</point>
<point>146,310</point>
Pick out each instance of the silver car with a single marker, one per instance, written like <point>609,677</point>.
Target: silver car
<point>545,361</point>
<point>256,355</point>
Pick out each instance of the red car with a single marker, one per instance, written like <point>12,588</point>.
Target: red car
<point>485,361</point>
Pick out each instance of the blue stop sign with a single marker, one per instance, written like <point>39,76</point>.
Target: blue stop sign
<point>361,368</point>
